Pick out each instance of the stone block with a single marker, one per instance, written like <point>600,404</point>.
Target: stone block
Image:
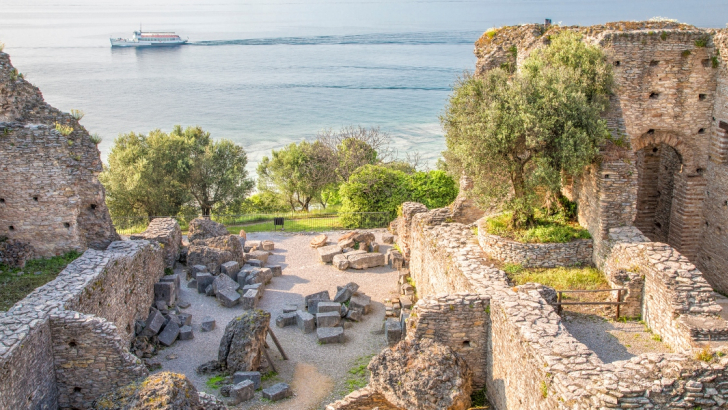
<point>185,333</point>
<point>183,304</point>
<point>254,377</point>
<point>262,256</point>
<point>305,321</point>
<point>313,305</point>
<point>277,392</point>
<point>256,286</point>
<point>242,391</point>
<point>210,291</point>
<point>373,247</point>
<point>173,318</point>
<point>327,335</point>
<point>250,299</point>
<point>403,323</point>
<point>343,295</point>
<point>289,308</point>
<point>277,270</point>
<point>354,315</point>
<point>161,306</point>
<point>228,297</point>
<point>266,274</point>
<point>319,241</point>
<point>204,279</point>
<point>286,319</point>
<point>326,253</point>
<point>324,295</point>
<point>405,302</point>
<point>154,322</point>
<point>254,262</point>
<point>324,307</point>
<point>192,284</point>
<point>231,269</point>
<point>392,331</point>
<point>165,291</point>
<point>175,278</point>
<point>267,245</point>
<point>366,260</point>
<point>169,334</point>
<point>224,282</point>
<point>209,256</point>
<point>340,261</point>
<point>198,269</point>
<point>352,286</point>
<point>387,238</point>
<point>185,319</point>
<point>208,324</point>
<point>328,319</point>
<point>361,302</point>
<point>395,259</point>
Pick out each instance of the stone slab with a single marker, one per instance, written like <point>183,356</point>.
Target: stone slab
<point>328,319</point>
<point>231,269</point>
<point>305,321</point>
<point>392,331</point>
<point>204,279</point>
<point>323,295</point>
<point>255,377</point>
<point>153,324</point>
<point>326,253</point>
<point>361,302</point>
<point>207,324</point>
<point>185,333</point>
<point>327,335</point>
<point>277,270</point>
<point>324,307</point>
<point>169,334</point>
<point>277,392</point>
<point>286,319</point>
<point>366,260</point>
<point>165,291</point>
<point>242,391</point>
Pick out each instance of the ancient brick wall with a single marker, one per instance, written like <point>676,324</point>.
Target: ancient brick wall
<point>165,231</point>
<point>536,255</point>
<point>99,282</point>
<point>50,195</point>
<point>457,321</point>
<point>90,358</point>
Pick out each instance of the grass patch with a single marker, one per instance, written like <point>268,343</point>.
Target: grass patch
<point>358,374</point>
<point>14,287</point>
<point>479,398</point>
<point>547,229</point>
<point>705,355</point>
<point>575,278</point>
<point>215,382</point>
<point>268,376</point>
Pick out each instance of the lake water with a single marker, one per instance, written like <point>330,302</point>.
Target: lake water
<point>265,73</point>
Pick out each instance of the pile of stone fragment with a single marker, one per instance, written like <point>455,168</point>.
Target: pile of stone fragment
<point>328,317</point>
<point>357,250</point>
<point>397,310</point>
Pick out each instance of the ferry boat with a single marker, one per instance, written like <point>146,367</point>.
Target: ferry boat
<point>149,39</point>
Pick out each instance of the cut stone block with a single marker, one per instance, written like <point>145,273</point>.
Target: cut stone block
<point>286,319</point>
<point>210,291</point>
<point>343,310</point>
<point>305,321</point>
<point>198,269</point>
<point>328,319</point>
<point>185,319</point>
<point>289,308</point>
<point>373,247</point>
<point>169,334</point>
<point>231,269</point>
<point>361,302</point>
<point>324,307</point>
<point>366,260</point>
<point>154,322</point>
<point>387,238</point>
<point>267,245</point>
<point>406,302</point>
<point>392,331</point>
<point>262,256</point>
<point>242,391</point>
<point>266,274</point>
<point>165,291</point>
<point>352,286</point>
<point>340,261</point>
<point>192,284</point>
<point>277,270</point>
<point>330,335</point>
<point>173,318</point>
<point>343,295</point>
<point>395,259</point>
<point>250,299</point>
<point>254,262</point>
<point>224,282</point>
<point>326,253</point>
<point>403,323</point>
<point>324,295</point>
<point>204,280</point>
<point>257,286</point>
<point>176,280</point>
<point>161,306</point>
<point>185,333</point>
<point>228,297</point>
<point>319,241</point>
<point>313,305</point>
<point>354,315</point>
<point>254,377</point>
<point>277,392</point>
<point>208,324</point>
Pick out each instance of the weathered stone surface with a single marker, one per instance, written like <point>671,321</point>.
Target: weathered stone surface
<point>290,308</point>
<point>392,331</point>
<point>154,323</point>
<point>428,375</point>
<point>262,256</point>
<point>267,245</point>
<point>387,238</point>
<point>365,261</point>
<point>361,302</point>
<point>228,297</point>
<point>185,333</point>
<point>343,295</point>
<point>204,280</point>
<point>327,335</point>
<point>192,284</point>
<point>276,270</point>
<point>231,269</point>
<point>165,231</point>
<point>319,241</point>
<point>395,259</point>
<point>323,295</point>
<point>250,299</point>
<point>210,257</point>
<point>15,253</point>
<point>328,319</point>
<point>324,307</point>
<point>255,377</point>
<point>340,261</point>
<point>223,282</point>
<point>197,269</point>
<point>204,228</point>
<point>406,302</point>
<point>326,253</point>
<point>169,334</point>
<point>286,319</point>
<point>254,262</point>
<point>207,324</point>
<point>242,391</point>
<point>305,321</point>
<point>354,315</point>
<point>241,344</point>
<point>165,292</point>
<point>277,392</point>
<point>160,391</point>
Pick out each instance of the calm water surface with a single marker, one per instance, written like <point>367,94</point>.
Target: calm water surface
<point>268,72</point>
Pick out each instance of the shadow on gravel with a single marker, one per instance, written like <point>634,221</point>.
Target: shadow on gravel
<point>593,331</point>
<point>287,284</point>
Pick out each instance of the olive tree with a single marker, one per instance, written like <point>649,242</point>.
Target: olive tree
<point>516,133</point>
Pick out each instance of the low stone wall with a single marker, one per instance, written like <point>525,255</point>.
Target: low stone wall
<point>536,255</point>
<point>97,283</point>
<point>166,232</point>
<point>457,321</point>
<point>362,399</point>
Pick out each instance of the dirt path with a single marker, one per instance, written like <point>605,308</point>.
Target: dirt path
<point>317,373</point>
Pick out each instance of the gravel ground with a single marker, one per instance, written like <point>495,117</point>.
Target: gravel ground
<point>612,341</point>
<point>317,373</point>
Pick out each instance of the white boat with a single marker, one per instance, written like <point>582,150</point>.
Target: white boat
<point>149,39</point>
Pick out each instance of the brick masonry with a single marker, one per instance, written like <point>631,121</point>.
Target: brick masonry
<point>50,195</point>
<point>167,233</point>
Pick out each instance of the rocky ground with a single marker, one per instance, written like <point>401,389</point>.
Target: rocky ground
<point>318,374</point>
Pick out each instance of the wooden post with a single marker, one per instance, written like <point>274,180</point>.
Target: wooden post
<point>619,299</point>
<point>558,303</point>
<point>278,345</point>
<point>270,361</point>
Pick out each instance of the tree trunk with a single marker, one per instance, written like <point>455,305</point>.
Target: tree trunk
<point>522,211</point>
<point>206,210</point>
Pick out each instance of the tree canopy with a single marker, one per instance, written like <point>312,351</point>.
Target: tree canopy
<point>516,133</point>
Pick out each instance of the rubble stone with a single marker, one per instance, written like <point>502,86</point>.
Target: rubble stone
<point>241,344</point>
<point>328,335</point>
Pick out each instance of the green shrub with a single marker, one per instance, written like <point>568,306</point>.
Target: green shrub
<point>434,189</point>
<point>553,229</point>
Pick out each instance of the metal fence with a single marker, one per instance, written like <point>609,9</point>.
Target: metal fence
<point>292,221</point>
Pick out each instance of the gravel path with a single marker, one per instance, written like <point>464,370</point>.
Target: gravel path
<point>612,341</point>
<point>317,373</point>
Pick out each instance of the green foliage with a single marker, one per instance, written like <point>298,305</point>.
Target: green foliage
<point>544,389</point>
<point>434,189</point>
<point>268,376</point>
<point>17,283</point>
<point>358,374</point>
<point>686,53</point>
<point>704,355</point>
<point>516,134</point>
<point>512,268</point>
<point>64,130</point>
<point>714,61</point>
<point>95,138</point>
<point>545,229</point>
<point>663,35</point>
<point>168,271</point>
<point>261,203</point>
<point>577,278</point>
<point>215,382</point>
<point>77,114</point>
<point>479,398</point>
<point>702,42</point>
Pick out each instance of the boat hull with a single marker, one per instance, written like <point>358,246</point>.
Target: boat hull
<point>124,43</point>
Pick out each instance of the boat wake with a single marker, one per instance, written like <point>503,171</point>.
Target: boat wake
<point>413,38</point>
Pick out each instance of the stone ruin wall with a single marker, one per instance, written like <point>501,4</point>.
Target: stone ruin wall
<point>36,350</point>
<point>536,255</point>
<point>523,331</point>
<point>50,195</point>
<point>167,233</point>
<point>670,104</point>
<point>362,399</point>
